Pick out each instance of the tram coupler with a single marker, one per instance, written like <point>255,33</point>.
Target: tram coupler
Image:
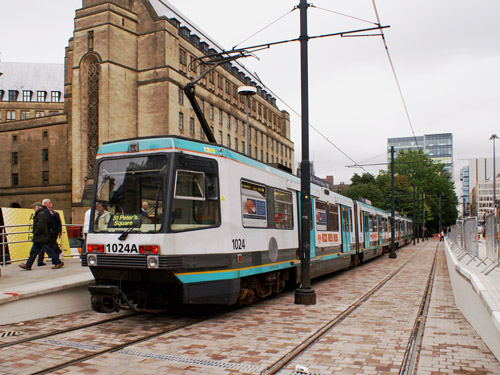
<point>104,298</point>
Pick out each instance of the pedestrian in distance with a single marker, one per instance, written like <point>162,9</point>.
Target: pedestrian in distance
<point>40,240</point>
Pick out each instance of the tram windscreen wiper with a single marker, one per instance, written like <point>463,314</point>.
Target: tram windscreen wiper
<point>124,235</point>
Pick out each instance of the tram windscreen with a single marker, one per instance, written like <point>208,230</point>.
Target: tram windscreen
<point>129,194</point>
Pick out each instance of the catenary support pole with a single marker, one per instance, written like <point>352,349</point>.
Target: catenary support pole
<point>305,295</point>
<point>392,254</point>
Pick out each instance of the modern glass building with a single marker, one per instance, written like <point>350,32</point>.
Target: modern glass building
<point>439,147</point>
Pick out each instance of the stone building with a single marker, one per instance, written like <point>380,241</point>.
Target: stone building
<point>125,67</point>
<point>33,135</point>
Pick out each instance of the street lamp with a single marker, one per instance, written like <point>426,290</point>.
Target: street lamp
<point>493,137</point>
<point>248,91</point>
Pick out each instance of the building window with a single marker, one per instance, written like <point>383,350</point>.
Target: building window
<point>45,177</point>
<point>39,114</point>
<point>25,115</point>
<point>220,117</point>
<point>191,125</point>
<point>202,132</point>
<point>211,112</point>
<point>52,113</point>
<point>2,93</point>
<point>45,154</point>
<point>15,179</point>
<point>55,96</point>
<point>14,158</point>
<point>40,96</point>
<point>202,105</point>
<point>181,96</point>
<point>27,95</point>
<point>243,126</point>
<point>182,56</point>
<point>236,143</point>
<point>235,125</point>
<point>181,120</point>
<point>45,133</point>
<point>11,115</point>
<point>243,149</point>
<point>13,94</point>
<point>228,121</point>
<point>14,138</point>
<point>219,81</point>
<point>220,137</point>
<point>229,140</point>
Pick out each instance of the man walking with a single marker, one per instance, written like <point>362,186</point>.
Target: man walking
<point>40,240</point>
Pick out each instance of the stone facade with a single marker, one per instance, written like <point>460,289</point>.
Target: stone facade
<point>33,135</point>
<point>125,67</point>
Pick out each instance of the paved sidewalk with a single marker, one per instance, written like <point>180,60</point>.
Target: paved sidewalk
<point>19,288</point>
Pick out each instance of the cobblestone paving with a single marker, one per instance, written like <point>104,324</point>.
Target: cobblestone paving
<point>248,340</point>
<point>450,344</point>
<point>47,352</point>
<point>372,340</point>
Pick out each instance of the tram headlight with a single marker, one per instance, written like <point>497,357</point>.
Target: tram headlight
<point>153,261</point>
<point>91,260</point>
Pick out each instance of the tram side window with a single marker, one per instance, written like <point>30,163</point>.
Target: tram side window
<point>195,205</point>
<point>320,215</point>
<point>333,218</point>
<point>283,209</point>
<point>253,205</point>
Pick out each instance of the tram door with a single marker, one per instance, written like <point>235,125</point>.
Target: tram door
<point>380,229</point>
<point>366,229</point>
<point>346,229</point>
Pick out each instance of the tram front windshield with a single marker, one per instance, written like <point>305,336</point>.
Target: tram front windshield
<point>129,194</point>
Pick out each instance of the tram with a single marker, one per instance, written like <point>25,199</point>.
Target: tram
<point>182,221</point>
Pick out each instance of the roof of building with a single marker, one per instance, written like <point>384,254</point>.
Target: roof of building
<point>164,8</point>
<point>31,77</point>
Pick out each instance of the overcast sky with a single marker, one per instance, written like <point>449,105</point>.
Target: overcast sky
<point>446,54</point>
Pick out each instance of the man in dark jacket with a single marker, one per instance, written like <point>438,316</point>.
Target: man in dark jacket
<point>40,240</point>
<point>54,226</point>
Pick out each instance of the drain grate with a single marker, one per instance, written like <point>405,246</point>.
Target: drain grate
<point>72,344</point>
<point>194,361</point>
<point>10,333</point>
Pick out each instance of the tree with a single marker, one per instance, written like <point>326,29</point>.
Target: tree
<point>411,168</point>
<point>434,181</point>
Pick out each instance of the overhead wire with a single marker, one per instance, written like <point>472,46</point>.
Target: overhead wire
<point>378,23</point>
<point>265,27</point>
<point>394,73</point>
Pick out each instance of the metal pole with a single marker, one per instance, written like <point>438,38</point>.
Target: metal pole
<point>495,242</point>
<point>440,216</point>
<point>417,226</point>
<point>423,215</point>
<point>249,148</point>
<point>305,295</point>
<point>392,254</point>
<point>413,213</point>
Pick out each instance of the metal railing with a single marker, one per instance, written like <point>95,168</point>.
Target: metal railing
<point>4,237</point>
<point>464,241</point>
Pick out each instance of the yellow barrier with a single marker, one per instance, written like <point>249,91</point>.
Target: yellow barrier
<point>18,224</point>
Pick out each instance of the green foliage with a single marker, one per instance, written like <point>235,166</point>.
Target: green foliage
<point>411,168</point>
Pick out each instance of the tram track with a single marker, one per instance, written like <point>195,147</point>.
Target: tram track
<point>413,348</point>
<point>301,348</point>
<point>124,345</point>
<point>57,338</point>
<point>66,330</point>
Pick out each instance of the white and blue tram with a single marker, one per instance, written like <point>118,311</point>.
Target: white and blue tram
<point>183,221</point>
